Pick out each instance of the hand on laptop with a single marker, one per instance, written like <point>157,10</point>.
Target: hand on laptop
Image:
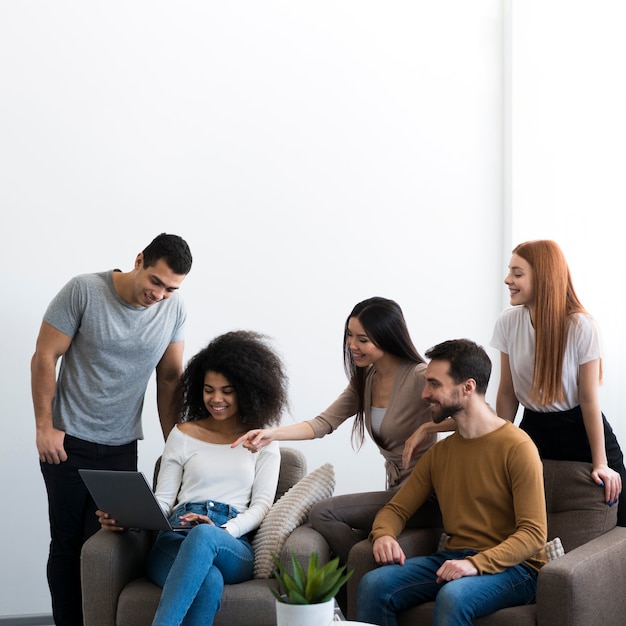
<point>193,519</point>
<point>107,522</point>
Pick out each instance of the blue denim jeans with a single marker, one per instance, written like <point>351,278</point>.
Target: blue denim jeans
<point>390,589</point>
<point>193,566</point>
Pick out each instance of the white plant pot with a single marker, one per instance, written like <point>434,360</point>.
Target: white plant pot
<point>305,614</point>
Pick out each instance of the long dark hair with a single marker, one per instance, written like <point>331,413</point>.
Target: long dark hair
<point>384,323</point>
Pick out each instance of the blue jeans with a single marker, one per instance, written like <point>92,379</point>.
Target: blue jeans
<point>390,589</point>
<point>193,566</point>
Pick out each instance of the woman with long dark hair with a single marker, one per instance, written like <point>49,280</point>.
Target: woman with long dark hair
<point>384,395</point>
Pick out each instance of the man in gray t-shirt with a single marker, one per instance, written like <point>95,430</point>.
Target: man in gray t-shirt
<point>111,330</point>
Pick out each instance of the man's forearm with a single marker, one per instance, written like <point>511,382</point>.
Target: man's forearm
<point>43,387</point>
<point>169,405</point>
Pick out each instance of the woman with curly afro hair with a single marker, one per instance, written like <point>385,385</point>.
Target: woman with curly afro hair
<point>253,369</point>
<point>219,492</point>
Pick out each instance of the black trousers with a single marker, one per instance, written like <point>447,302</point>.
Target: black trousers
<point>73,519</point>
<point>562,436</point>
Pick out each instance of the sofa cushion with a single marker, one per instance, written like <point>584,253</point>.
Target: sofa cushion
<point>289,512</point>
<point>554,549</point>
<point>576,509</point>
<point>292,469</point>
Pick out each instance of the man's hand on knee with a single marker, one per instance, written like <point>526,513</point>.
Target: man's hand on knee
<point>452,570</point>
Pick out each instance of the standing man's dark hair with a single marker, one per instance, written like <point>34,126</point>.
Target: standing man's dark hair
<point>172,249</point>
<point>112,330</point>
<point>467,360</point>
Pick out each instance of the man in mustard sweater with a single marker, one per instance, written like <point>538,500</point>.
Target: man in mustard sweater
<point>488,478</point>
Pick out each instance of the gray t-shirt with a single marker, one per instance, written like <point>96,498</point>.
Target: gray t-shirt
<point>115,348</point>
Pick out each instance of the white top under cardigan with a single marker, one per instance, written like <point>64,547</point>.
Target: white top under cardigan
<point>193,470</point>
<point>514,335</point>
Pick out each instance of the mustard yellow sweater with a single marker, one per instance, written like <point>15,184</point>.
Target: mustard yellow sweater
<point>490,490</point>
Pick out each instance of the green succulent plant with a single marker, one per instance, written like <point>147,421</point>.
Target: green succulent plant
<point>311,586</point>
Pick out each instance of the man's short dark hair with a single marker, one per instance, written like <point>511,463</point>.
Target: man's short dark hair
<point>467,360</point>
<point>172,249</point>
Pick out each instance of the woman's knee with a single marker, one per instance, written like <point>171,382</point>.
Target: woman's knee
<point>205,532</point>
<point>352,510</point>
<point>321,512</point>
<point>204,539</point>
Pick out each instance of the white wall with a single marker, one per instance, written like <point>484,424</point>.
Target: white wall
<point>312,153</point>
<point>568,130</point>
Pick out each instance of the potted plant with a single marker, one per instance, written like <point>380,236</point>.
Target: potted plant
<point>307,598</point>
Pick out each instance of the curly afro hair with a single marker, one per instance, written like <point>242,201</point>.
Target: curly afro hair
<point>251,366</point>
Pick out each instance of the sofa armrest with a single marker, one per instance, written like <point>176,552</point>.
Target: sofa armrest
<point>585,586</point>
<point>109,561</point>
<point>414,542</point>
<point>303,541</point>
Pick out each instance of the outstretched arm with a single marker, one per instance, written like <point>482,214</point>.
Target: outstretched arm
<point>258,438</point>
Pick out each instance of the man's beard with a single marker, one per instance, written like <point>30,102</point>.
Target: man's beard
<point>446,411</point>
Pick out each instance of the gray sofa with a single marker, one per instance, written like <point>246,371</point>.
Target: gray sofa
<point>584,587</point>
<point>117,593</point>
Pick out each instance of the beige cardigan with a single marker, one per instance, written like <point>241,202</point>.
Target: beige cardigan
<point>406,411</point>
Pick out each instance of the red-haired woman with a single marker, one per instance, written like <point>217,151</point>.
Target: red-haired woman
<point>551,364</point>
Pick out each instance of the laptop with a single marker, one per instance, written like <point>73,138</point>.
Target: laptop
<point>127,497</point>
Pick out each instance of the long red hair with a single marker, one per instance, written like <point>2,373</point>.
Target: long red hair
<point>555,301</point>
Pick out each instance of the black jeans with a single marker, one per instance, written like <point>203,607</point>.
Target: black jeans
<point>73,519</point>
<point>562,436</point>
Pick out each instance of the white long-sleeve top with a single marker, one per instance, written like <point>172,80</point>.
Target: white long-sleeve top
<point>193,470</point>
